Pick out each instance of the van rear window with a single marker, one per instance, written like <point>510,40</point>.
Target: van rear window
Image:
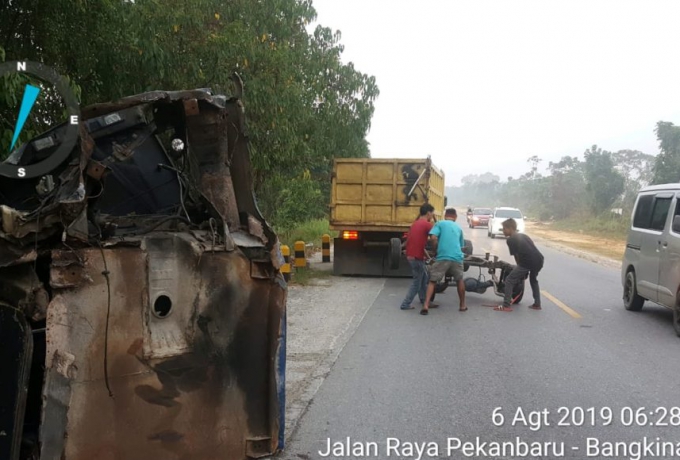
<point>643,211</point>
<point>652,212</point>
<point>660,213</point>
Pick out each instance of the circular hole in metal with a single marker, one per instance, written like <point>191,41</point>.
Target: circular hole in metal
<point>162,306</point>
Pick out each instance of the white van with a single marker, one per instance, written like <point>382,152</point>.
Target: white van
<point>651,263</point>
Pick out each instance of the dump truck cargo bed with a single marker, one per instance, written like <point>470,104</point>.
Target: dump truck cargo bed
<point>373,204</point>
<point>383,194</point>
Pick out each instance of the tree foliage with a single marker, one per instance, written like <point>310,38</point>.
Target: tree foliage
<point>304,105</point>
<point>667,166</point>
<point>637,169</point>
<point>604,183</point>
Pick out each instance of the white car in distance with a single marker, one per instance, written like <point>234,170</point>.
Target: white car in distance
<point>500,215</point>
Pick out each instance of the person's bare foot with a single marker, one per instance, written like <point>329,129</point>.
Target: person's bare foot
<point>463,308</point>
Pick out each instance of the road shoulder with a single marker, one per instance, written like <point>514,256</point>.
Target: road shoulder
<point>322,318</point>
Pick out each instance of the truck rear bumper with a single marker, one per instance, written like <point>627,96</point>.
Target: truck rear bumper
<point>355,257</point>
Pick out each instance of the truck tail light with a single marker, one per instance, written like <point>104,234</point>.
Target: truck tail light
<point>350,235</point>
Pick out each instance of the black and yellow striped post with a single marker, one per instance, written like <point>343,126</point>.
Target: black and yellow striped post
<point>300,258</point>
<point>285,268</point>
<point>326,248</point>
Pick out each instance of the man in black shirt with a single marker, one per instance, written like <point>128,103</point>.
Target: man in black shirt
<point>529,262</point>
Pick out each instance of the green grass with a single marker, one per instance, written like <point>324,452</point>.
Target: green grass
<point>303,276</point>
<point>309,232</point>
<point>615,226</point>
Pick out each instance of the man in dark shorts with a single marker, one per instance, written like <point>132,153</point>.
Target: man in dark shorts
<point>529,262</point>
<point>415,253</point>
<point>447,238</point>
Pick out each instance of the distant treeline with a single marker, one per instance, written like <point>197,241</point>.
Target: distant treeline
<point>593,186</point>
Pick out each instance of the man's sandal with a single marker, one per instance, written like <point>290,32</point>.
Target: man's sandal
<point>502,308</point>
<point>423,312</point>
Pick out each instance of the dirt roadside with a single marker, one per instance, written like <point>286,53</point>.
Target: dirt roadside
<point>606,251</point>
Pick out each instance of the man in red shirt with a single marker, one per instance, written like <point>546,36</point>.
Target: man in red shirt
<point>415,253</point>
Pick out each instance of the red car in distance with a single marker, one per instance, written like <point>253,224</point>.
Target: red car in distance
<point>480,217</point>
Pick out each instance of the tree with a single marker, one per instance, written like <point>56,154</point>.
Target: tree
<point>567,187</point>
<point>304,106</point>
<point>534,160</point>
<point>637,169</point>
<point>603,183</point>
<point>488,178</point>
<point>667,165</point>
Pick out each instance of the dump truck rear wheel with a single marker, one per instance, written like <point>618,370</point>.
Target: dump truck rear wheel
<point>394,255</point>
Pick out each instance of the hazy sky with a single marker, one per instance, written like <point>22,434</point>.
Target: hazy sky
<point>483,85</point>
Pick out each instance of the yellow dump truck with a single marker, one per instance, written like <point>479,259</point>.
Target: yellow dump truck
<point>373,204</point>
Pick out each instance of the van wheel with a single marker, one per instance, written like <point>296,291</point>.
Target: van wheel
<point>676,315</point>
<point>631,300</point>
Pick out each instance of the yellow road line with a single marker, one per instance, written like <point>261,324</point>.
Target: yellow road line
<point>561,304</point>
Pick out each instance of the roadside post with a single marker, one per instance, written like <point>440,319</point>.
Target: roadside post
<point>300,258</point>
<point>326,248</point>
<point>285,268</point>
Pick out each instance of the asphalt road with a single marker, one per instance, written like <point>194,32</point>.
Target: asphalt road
<point>406,378</point>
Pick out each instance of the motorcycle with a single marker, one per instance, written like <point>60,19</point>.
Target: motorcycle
<point>497,271</point>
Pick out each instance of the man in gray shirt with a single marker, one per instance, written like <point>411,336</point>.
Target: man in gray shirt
<point>529,262</point>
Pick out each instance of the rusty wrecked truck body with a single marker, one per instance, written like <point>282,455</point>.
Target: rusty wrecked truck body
<point>142,311</point>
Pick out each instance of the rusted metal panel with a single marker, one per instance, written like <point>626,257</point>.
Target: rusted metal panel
<point>211,352</point>
<point>191,107</point>
<point>68,270</point>
<point>168,329</point>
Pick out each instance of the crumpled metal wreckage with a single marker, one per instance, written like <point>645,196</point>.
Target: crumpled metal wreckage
<point>142,311</point>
